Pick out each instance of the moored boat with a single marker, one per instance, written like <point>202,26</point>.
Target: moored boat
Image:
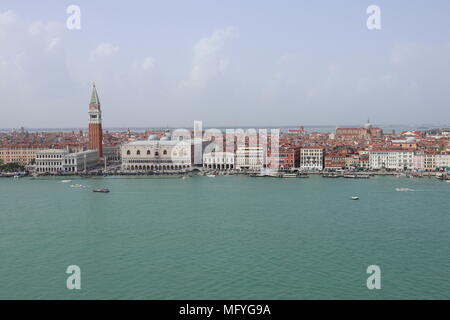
<point>101,190</point>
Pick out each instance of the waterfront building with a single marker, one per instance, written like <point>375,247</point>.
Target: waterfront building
<point>430,161</point>
<point>219,160</point>
<point>61,160</point>
<point>79,161</point>
<point>111,153</point>
<point>21,154</point>
<point>50,161</point>
<point>419,161</point>
<point>364,161</point>
<point>335,160</point>
<point>156,154</point>
<point>442,161</point>
<point>352,161</point>
<point>391,159</point>
<point>285,158</point>
<point>312,158</point>
<point>95,124</point>
<point>250,158</point>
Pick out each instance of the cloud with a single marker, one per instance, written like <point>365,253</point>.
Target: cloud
<point>207,62</point>
<point>39,27</point>
<point>7,18</point>
<point>406,54</point>
<point>104,49</point>
<point>148,63</point>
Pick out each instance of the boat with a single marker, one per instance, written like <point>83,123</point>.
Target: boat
<point>288,175</point>
<point>76,185</point>
<point>403,189</point>
<point>356,176</point>
<point>101,190</point>
<point>211,175</point>
<point>331,175</point>
<point>355,198</point>
<point>66,181</point>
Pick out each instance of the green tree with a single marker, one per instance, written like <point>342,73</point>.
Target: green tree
<point>11,167</point>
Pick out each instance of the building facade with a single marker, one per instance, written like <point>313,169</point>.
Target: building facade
<point>219,160</point>
<point>250,158</point>
<point>391,159</point>
<point>312,158</point>
<point>79,161</point>
<point>443,161</point>
<point>111,153</point>
<point>335,160</point>
<point>21,154</point>
<point>50,161</point>
<point>57,161</point>
<point>430,161</point>
<point>284,159</point>
<point>156,154</point>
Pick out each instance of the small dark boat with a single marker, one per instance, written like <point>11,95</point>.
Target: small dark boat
<point>101,190</point>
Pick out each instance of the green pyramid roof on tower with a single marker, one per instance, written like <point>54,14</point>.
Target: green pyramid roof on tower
<point>94,96</point>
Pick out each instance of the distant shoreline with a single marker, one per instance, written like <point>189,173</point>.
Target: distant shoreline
<point>319,128</point>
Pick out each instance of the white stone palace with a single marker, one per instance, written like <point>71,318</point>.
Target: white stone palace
<point>156,154</point>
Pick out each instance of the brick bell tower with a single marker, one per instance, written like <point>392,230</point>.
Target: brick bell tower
<point>95,124</point>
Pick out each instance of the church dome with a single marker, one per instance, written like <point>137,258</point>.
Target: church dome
<point>167,136</point>
<point>153,137</point>
<point>368,125</point>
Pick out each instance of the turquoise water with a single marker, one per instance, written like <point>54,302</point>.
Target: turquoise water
<point>230,237</point>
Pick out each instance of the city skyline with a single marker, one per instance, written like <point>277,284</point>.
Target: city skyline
<point>304,64</point>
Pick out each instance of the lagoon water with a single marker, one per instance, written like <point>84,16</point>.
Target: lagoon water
<point>228,237</point>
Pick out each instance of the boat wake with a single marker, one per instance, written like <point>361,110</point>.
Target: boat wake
<point>404,189</point>
<point>77,186</point>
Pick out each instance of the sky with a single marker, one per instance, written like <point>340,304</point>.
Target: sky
<point>227,63</point>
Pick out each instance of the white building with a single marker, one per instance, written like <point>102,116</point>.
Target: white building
<point>61,161</point>
<point>419,161</point>
<point>219,160</point>
<point>442,161</point>
<point>156,154</point>
<point>250,158</point>
<point>391,159</point>
<point>80,161</point>
<point>50,161</point>
<point>311,159</point>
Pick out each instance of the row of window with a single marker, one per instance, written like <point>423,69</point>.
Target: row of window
<point>49,156</point>
<point>138,153</point>
<point>155,161</point>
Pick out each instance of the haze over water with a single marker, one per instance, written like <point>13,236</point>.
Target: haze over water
<point>229,237</point>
